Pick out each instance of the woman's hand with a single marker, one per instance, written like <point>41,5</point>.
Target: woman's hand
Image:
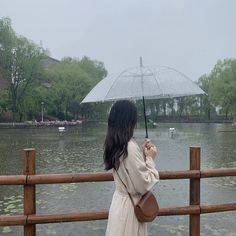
<point>151,152</point>
<point>149,149</point>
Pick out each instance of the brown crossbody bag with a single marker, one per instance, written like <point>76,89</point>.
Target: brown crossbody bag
<point>147,207</point>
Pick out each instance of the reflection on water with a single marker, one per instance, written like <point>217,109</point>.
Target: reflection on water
<point>79,149</point>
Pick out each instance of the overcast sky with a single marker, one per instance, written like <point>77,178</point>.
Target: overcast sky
<point>189,35</point>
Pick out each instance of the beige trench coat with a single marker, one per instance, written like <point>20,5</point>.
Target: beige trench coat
<point>138,176</point>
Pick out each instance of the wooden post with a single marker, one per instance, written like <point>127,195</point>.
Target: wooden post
<point>194,197</point>
<point>29,191</point>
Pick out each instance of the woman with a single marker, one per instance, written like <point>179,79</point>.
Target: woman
<point>134,171</point>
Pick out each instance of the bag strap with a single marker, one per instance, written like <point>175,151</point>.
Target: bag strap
<point>125,187</point>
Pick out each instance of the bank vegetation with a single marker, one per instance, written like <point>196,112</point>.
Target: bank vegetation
<point>30,80</point>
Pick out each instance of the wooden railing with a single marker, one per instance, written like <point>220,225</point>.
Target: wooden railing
<point>29,180</point>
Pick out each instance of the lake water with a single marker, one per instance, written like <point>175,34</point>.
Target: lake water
<point>79,149</point>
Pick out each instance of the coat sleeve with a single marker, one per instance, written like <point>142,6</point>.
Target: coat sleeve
<point>143,174</point>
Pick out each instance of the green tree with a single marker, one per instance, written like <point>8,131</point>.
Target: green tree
<point>20,64</point>
<point>71,80</point>
<point>206,108</point>
<point>170,105</point>
<point>223,86</point>
<point>4,101</point>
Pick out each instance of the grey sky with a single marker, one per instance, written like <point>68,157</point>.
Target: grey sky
<point>189,35</point>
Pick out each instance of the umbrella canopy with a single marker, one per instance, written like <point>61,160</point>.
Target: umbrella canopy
<point>143,82</point>
<point>150,83</point>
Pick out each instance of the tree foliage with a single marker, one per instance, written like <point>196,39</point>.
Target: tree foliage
<point>70,81</point>
<point>62,86</point>
<point>222,89</point>
<point>20,64</point>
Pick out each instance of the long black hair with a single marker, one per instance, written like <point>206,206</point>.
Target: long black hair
<point>121,122</point>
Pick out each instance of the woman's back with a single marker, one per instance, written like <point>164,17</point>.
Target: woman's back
<point>135,176</point>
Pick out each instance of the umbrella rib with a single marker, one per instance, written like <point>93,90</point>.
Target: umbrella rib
<point>133,82</point>
<point>185,76</point>
<point>114,82</point>
<point>155,76</point>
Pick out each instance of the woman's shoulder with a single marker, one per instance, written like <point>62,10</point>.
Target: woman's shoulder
<point>132,143</point>
<point>134,153</point>
<point>133,146</point>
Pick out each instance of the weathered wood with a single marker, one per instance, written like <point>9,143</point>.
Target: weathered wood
<point>67,217</point>
<point>12,179</point>
<point>221,172</point>
<point>104,176</point>
<point>29,191</point>
<point>183,210</point>
<point>100,215</point>
<point>12,220</point>
<point>101,177</point>
<point>70,178</point>
<point>29,179</point>
<point>89,216</point>
<point>194,195</point>
<point>218,208</point>
<point>180,174</point>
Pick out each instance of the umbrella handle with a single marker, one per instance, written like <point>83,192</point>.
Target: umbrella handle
<point>145,118</point>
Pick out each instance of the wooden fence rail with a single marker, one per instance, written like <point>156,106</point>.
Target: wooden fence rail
<point>29,180</point>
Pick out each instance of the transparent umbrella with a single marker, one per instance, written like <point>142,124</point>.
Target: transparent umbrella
<point>142,83</point>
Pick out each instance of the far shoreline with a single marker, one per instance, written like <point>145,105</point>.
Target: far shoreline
<point>11,125</point>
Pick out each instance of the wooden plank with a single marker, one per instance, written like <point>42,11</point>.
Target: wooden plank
<point>29,191</point>
<point>12,179</point>
<point>67,217</point>
<point>105,176</point>
<point>218,208</point>
<point>90,216</point>
<point>221,172</point>
<point>12,220</point>
<point>70,178</point>
<point>101,177</point>
<point>194,194</point>
<point>180,174</point>
<point>101,215</point>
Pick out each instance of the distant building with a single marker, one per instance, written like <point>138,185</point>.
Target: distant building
<point>49,61</point>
